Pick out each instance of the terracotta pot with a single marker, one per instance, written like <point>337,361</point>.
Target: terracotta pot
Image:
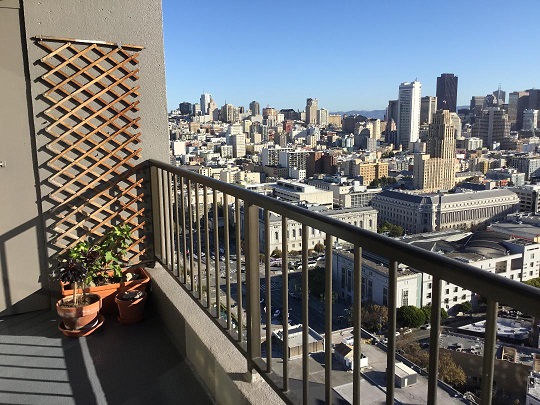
<point>76,318</point>
<point>107,292</point>
<point>130,311</point>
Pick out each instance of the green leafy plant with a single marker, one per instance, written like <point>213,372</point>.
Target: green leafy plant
<point>103,259</point>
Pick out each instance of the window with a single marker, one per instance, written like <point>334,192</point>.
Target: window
<point>349,280</point>
<point>385,296</point>
<point>343,278</point>
<point>429,285</point>
<point>277,235</point>
<point>428,295</point>
<point>447,291</point>
<point>405,298</point>
<point>455,289</point>
<point>294,233</point>
<point>370,290</point>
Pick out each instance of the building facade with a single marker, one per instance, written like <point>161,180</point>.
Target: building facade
<point>447,85</point>
<point>365,218</point>
<point>408,122</point>
<point>417,213</point>
<point>436,170</point>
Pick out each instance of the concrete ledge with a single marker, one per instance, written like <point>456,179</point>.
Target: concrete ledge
<point>221,367</point>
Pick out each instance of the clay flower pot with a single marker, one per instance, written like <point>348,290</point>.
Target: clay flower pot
<point>77,317</point>
<point>131,306</point>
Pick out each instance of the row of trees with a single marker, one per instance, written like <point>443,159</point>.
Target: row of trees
<point>390,229</point>
<point>374,316</point>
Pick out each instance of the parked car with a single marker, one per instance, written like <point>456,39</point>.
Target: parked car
<point>407,331</point>
<point>426,326</point>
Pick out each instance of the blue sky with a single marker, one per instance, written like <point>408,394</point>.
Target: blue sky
<point>348,54</point>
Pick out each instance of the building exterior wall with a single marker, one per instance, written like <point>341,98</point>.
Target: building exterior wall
<point>26,259</point>
<point>417,213</point>
<point>364,218</point>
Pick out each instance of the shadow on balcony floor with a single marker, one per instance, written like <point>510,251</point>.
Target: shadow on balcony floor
<point>118,364</point>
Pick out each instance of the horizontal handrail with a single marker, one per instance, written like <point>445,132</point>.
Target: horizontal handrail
<point>519,295</point>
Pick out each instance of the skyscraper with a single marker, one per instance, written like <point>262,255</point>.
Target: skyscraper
<point>518,101</point>
<point>447,85</point>
<point>492,126</point>
<point>205,103</point>
<point>312,105</point>
<point>255,108</point>
<point>408,122</point>
<point>428,106</point>
<point>436,169</point>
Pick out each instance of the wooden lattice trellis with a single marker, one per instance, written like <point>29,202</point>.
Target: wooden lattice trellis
<point>92,141</point>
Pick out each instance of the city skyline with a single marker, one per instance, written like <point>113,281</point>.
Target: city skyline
<point>346,62</point>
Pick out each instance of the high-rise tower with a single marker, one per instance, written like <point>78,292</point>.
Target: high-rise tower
<point>428,106</point>
<point>408,119</point>
<point>447,85</point>
<point>255,108</point>
<point>205,103</point>
<point>436,169</point>
<point>312,105</point>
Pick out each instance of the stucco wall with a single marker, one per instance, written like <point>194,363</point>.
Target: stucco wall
<point>21,234</point>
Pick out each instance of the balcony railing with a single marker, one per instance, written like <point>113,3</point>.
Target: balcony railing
<point>187,209</point>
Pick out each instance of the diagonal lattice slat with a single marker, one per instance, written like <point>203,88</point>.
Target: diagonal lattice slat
<point>92,95</point>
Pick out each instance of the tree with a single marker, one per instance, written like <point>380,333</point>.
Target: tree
<point>535,282</point>
<point>427,312</point>
<point>390,229</point>
<point>374,316</point>
<point>451,372</point>
<point>410,316</point>
<point>276,253</point>
<point>465,307</point>
<point>316,279</point>
<point>319,248</point>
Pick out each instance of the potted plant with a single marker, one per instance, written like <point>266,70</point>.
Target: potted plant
<point>105,259</point>
<point>79,311</point>
<point>130,306</point>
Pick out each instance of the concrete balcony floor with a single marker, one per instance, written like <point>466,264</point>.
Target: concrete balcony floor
<point>118,364</point>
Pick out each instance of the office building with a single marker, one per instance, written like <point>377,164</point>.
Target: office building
<point>436,169</point>
<point>417,213</point>
<point>528,197</point>
<point>428,106</point>
<point>447,85</point>
<point>205,103</point>
<point>185,108</point>
<point>255,108</point>
<point>518,101</point>
<point>528,164</point>
<point>408,123</point>
<point>492,126</point>
<point>365,218</point>
<point>312,105</point>
<point>530,120</point>
<point>322,117</point>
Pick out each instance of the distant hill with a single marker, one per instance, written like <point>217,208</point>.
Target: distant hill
<point>370,114</point>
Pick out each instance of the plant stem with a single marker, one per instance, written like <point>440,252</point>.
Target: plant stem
<point>75,294</point>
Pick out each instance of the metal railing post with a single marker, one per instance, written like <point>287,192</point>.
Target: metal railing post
<point>489,351</point>
<point>156,212</point>
<point>433,379</point>
<point>253,284</point>
<point>328,321</point>
<point>391,348</point>
<point>357,323</point>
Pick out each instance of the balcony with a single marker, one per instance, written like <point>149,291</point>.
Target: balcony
<point>215,341</point>
<point>187,235</point>
<point>131,364</point>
